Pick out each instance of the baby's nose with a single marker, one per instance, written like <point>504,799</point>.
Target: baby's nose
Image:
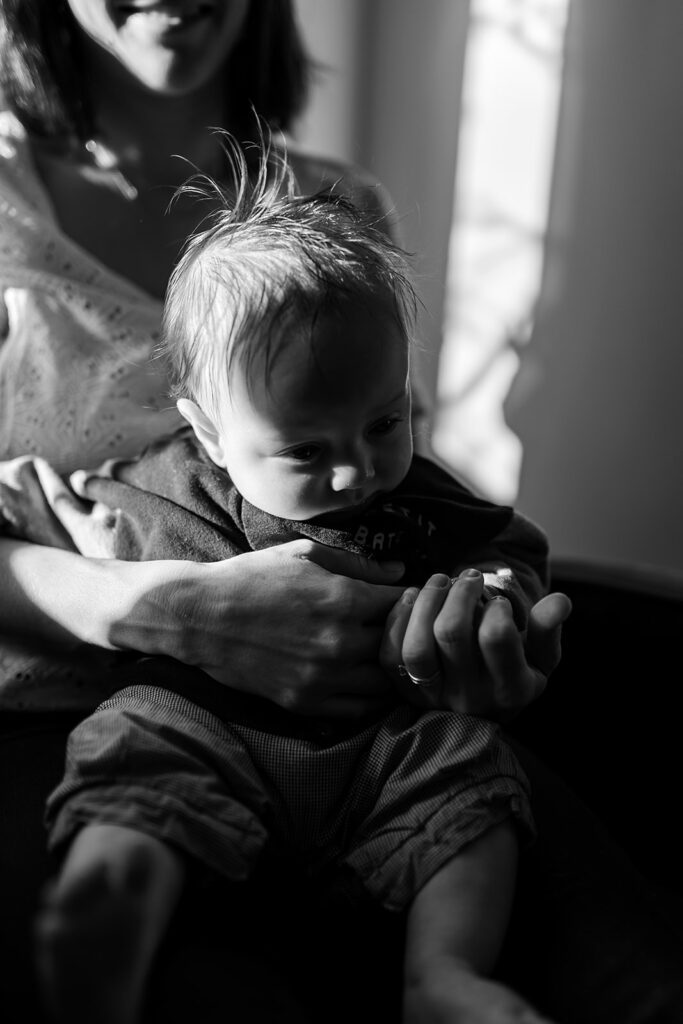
<point>352,475</point>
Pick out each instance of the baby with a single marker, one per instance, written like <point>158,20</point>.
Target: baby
<point>287,325</point>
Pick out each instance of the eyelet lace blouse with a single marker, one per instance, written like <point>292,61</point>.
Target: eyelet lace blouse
<point>78,383</point>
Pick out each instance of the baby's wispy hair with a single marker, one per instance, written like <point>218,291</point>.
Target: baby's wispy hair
<point>269,261</point>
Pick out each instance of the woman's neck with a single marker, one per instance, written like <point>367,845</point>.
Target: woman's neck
<point>147,134</point>
<point>112,198</point>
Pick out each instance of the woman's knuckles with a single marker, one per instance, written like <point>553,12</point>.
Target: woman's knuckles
<point>450,633</point>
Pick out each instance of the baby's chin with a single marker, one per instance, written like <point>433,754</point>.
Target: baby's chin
<point>345,512</point>
<point>333,514</point>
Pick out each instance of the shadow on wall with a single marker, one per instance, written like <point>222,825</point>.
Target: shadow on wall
<point>597,402</point>
<point>507,136</point>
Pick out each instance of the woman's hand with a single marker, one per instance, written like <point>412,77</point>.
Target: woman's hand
<point>299,624</point>
<point>470,655</point>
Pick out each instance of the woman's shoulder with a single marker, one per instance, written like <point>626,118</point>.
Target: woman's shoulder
<point>18,178</point>
<point>315,172</point>
<point>13,147</point>
<point>12,135</point>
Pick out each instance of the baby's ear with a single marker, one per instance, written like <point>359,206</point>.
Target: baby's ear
<point>206,431</point>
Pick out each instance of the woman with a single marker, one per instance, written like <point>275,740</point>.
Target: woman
<point>100,96</point>
<point>103,97</point>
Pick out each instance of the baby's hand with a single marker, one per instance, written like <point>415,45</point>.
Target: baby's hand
<point>447,649</point>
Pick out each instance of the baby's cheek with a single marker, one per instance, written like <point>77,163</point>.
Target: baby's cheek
<point>303,498</point>
<point>397,465</point>
<point>254,483</point>
<point>283,495</point>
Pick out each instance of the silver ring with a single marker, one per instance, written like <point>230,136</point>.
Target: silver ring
<point>423,680</point>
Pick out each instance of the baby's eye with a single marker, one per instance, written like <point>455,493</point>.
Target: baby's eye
<point>304,452</point>
<point>385,426</point>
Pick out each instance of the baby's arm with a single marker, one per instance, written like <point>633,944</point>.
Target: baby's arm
<point>455,932</point>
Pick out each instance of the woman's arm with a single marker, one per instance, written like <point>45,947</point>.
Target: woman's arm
<point>298,624</point>
<point>276,624</point>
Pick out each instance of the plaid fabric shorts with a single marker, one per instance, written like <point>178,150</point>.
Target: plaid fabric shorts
<point>393,802</point>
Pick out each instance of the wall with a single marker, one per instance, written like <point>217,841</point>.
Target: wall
<point>393,89</point>
<point>331,31</point>
<point>598,404</point>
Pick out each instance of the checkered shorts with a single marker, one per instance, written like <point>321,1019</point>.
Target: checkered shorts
<point>393,802</point>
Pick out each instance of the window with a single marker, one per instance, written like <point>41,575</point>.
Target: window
<point>511,90</point>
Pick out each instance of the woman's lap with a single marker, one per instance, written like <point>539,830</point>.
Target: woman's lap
<point>591,941</point>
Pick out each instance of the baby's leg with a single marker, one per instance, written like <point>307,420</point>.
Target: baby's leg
<point>456,927</point>
<point>101,924</point>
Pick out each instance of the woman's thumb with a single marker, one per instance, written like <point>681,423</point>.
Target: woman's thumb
<point>355,566</point>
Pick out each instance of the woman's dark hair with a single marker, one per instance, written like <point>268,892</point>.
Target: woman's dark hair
<point>42,77</point>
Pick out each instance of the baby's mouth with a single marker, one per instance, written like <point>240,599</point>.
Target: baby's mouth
<point>351,511</point>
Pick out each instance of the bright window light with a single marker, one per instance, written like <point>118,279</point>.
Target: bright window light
<point>511,92</point>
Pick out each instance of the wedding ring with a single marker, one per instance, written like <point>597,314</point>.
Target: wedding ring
<point>423,680</point>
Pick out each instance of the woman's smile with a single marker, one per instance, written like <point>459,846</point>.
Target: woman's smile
<point>165,19</point>
<point>172,47</point>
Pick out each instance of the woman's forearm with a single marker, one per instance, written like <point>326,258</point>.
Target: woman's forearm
<point>275,622</point>
<point>61,598</point>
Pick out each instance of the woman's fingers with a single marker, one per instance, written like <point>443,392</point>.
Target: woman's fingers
<point>544,632</point>
<point>391,648</point>
<point>473,652</point>
<point>430,636</point>
<point>454,624</point>
<point>519,667</point>
<point>346,563</point>
<point>455,644</point>
<point>514,682</point>
<point>420,653</point>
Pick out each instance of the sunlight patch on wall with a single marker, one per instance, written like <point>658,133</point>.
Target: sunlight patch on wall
<point>511,92</point>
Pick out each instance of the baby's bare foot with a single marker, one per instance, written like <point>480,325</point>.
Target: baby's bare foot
<point>89,936</point>
<point>454,996</point>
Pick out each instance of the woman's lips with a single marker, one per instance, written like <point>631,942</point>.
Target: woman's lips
<point>165,16</point>
<point>179,8</point>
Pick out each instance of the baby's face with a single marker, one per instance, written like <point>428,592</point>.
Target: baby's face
<point>326,435</point>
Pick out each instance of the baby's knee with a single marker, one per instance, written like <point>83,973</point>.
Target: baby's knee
<point>120,860</point>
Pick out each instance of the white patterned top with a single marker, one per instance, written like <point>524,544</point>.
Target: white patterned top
<point>77,379</point>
